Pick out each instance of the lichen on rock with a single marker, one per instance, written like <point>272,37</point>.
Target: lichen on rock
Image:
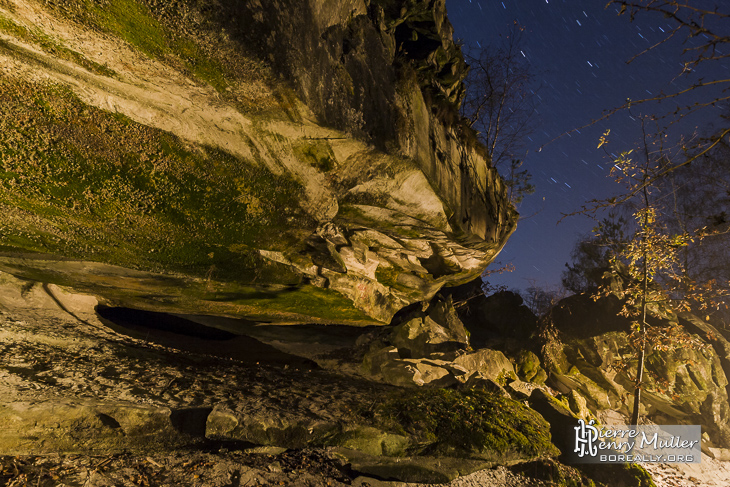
<point>275,147</point>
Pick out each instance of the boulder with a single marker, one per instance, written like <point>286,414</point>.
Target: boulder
<point>371,441</point>
<point>528,367</point>
<point>410,372</point>
<point>92,427</point>
<point>521,390</point>
<point>420,337</point>
<point>579,316</point>
<point>424,348</point>
<point>579,406</point>
<point>561,419</point>
<point>459,372</point>
<point>481,382</point>
<point>490,363</point>
<point>375,359</point>
<point>269,428</point>
<point>714,411</point>
<point>442,311</point>
<point>595,360</point>
<point>438,330</point>
<point>500,318</point>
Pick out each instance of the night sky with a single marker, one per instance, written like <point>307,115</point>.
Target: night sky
<point>578,51</point>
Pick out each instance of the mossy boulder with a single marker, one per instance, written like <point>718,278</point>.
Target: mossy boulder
<point>559,416</point>
<point>473,424</point>
<point>268,428</point>
<point>528,367</point>
<point>92,427</point>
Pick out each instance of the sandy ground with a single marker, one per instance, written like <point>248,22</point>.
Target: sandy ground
<point>708,473</point>
<point>54,346</point>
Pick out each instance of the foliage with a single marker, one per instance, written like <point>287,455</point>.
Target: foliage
<point>661,236</point>
<point>591,255</point>
<point>647,271</point>
<point>448,421</point>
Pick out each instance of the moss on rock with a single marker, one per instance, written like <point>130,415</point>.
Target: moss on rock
<point>618,475</point>
<point>472,423</point>
<point>87,184</point>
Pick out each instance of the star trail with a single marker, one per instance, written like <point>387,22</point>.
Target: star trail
<point>579,52</point>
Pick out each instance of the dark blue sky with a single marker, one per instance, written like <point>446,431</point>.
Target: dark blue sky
<point>579,52</point>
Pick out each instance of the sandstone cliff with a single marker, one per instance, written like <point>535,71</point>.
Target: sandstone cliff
<point>287,160</point>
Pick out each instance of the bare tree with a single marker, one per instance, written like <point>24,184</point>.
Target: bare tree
<point>702,28</point>
<point>499,97</point>
<point>540,299</point>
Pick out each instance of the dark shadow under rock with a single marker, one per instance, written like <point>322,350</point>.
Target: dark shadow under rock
<point>182,334</point>
<point>500,321</point>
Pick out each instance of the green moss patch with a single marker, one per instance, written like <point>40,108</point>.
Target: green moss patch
<point>473,423</point>
<point>317,153</point>
<point>82,183</point>
<point>132,22</point>
<point>619,474</point>
<point>202,66</point>
<point>387,275</point>
<point>292,300</point>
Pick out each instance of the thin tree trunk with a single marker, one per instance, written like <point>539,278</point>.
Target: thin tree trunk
<point>639,377</point>
<point>644,294</point>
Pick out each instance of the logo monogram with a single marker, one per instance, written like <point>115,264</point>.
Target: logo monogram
<point>586,436</point>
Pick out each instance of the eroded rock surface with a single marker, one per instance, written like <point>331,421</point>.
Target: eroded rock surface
<point>685,385</point>
<point>294,149</point>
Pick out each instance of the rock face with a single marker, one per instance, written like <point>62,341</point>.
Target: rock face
<point>593,357</point>
<point>305,153</point>
<point>431,348</point>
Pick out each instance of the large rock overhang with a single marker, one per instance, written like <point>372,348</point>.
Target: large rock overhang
<point>253,199</point>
